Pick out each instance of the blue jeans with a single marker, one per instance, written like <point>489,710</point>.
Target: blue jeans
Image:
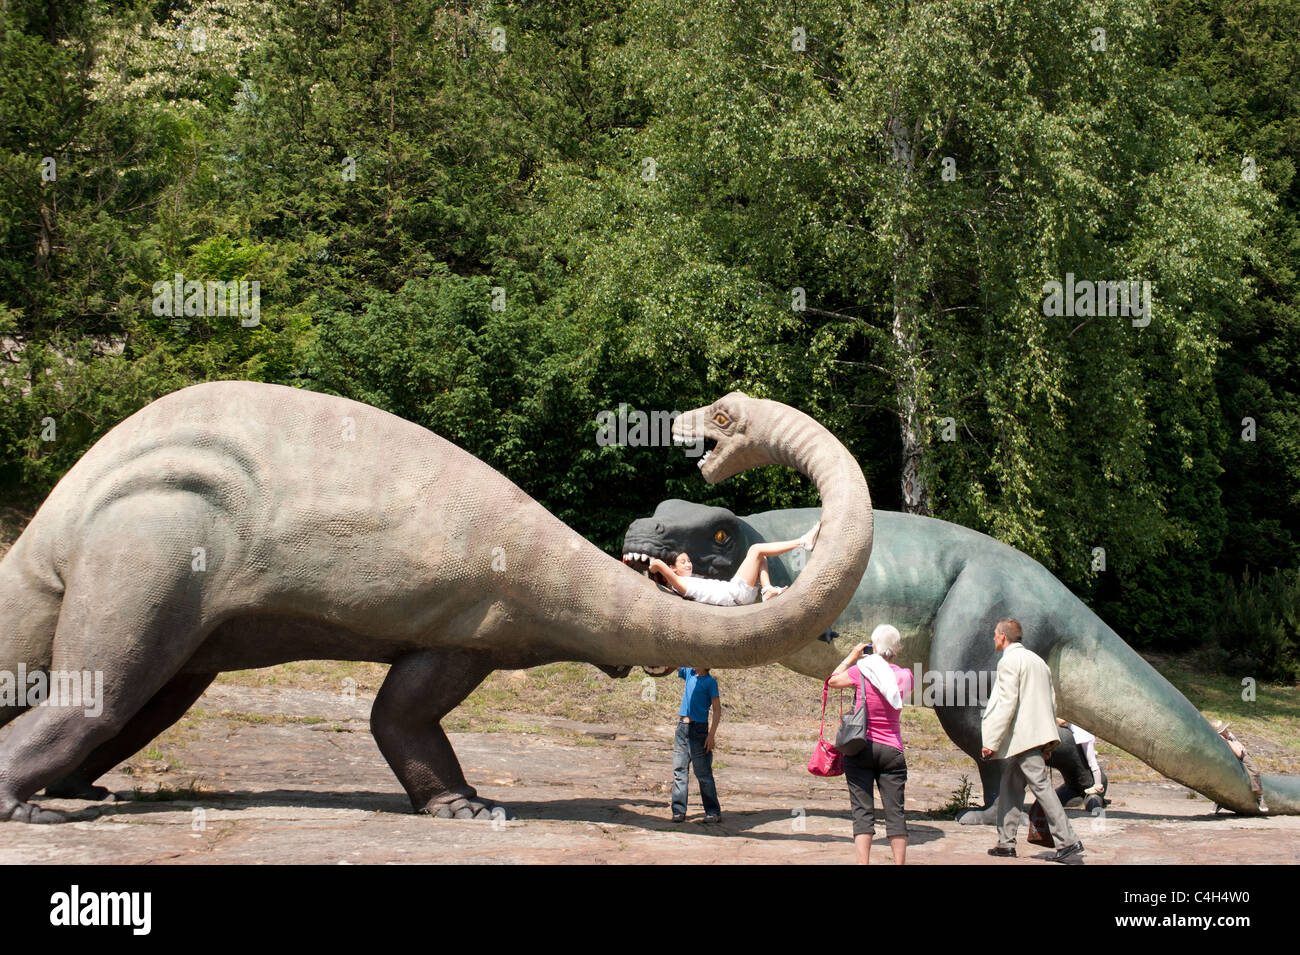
<point>688,750</point>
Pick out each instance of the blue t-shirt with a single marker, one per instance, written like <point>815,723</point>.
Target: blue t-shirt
<point>700,692</point>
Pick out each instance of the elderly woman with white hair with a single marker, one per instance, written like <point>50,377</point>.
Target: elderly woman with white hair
<point>880,686</point>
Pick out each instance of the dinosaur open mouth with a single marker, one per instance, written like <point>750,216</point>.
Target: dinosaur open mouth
<point>710,445</point>
<point>684,434</point>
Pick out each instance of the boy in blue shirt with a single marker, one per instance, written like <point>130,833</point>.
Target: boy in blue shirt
<point>693,743</point>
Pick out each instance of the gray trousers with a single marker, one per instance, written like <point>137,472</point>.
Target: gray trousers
<point>1028,769</point>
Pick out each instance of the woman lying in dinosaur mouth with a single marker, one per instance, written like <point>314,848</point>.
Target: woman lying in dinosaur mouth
<point>741,589</point>
<point>677,573</point>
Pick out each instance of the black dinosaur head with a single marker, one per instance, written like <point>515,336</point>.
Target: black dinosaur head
<point>712,536</point>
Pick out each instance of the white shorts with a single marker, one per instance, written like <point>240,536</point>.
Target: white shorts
<point>742,593</point>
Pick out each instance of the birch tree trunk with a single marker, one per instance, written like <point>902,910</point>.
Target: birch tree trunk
<point>907,343</point>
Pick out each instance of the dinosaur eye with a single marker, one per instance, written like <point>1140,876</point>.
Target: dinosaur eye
<point>721,537</point>
<point>720,418</point>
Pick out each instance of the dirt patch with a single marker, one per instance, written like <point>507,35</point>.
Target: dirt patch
<point>275,773</point>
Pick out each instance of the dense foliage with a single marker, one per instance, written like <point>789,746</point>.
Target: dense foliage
<point>499,219</point>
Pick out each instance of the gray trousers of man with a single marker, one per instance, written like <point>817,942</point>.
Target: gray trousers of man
<point>1028,769</point>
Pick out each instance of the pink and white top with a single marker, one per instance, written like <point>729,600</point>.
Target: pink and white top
<point>882,719</point>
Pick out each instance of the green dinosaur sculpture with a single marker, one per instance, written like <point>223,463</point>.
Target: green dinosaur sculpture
<point>944,587</point>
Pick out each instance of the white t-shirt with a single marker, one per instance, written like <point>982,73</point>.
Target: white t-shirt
<point>1081,735</point>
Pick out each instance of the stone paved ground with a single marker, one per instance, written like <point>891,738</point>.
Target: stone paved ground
<point>292,775</point>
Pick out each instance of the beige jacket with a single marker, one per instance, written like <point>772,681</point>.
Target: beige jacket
<point>1021,714</point>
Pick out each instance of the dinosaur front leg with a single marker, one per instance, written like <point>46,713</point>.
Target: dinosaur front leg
<point>422,688</point>
<point>960,649</point>
<point>962,724</point>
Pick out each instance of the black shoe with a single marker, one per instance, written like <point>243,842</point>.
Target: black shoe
<point>1066,852</point>
<point>1008,851</point>
<point>714,817</point>
<point>679,817</point>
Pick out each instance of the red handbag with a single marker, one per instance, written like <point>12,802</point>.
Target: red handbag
<point>826,759</point>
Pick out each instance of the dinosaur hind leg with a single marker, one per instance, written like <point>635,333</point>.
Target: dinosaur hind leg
<point>167,706</point>
<point>962,655</point>
<point>131,616</point>
<point>420,689</point>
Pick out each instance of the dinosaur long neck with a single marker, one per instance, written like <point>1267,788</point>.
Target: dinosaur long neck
<point>591,607</point>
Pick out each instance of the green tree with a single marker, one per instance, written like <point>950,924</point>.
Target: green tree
<point>817,159</point>
<point>1242,64</point>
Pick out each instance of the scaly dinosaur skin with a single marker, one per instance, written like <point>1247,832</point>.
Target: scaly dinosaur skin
<point>235,524</point>
<point>945,587</point>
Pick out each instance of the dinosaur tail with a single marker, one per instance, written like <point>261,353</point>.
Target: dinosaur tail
<point>1105,687</point>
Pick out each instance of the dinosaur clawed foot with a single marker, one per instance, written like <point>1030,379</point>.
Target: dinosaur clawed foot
<point>465,804</point>
<point>978,816</point>
<point>28,812</point>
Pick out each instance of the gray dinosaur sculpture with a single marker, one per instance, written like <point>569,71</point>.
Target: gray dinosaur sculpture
<point>235,524</point>
<point>944,587</point>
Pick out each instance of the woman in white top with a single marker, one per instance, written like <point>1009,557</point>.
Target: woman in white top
<point>1088,743</point>
<point>740,589</point>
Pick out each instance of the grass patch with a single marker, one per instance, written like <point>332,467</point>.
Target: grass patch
<point>328,675</point>
<point>1269,724</point>
<point>1277,703</point>
<point>460,723</point>
<point>189,792</point>
<point>270,719</point>
<point>958,802</point>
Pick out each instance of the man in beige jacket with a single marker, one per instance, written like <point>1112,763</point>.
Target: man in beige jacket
<point>1019,726</point>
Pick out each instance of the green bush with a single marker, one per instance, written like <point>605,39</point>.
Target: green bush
<point>1258,626</point>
